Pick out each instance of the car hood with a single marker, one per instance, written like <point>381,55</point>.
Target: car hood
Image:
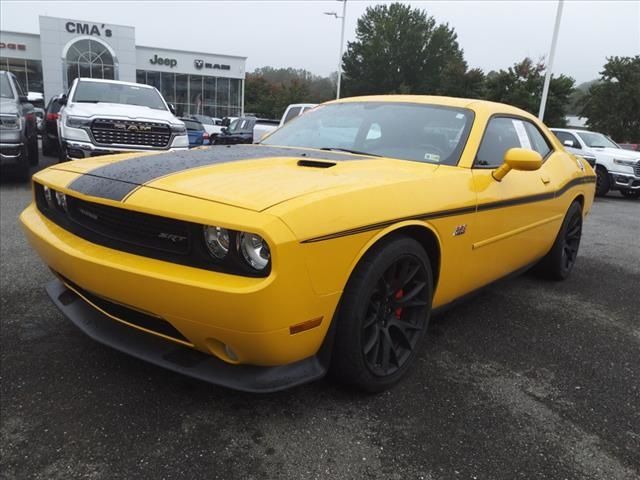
<point>119,111</point>
<point>618,153</point>
<point>252,177</point>
<point>8,106</point>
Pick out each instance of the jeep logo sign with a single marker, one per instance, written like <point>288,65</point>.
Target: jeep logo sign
<point>169,62</point>
<point>87,29</point>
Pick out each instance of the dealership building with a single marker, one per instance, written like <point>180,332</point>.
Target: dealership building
<point>195,82</point>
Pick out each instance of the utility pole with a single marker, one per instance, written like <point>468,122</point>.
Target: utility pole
<point>552,52</point>
<point>344,14</point>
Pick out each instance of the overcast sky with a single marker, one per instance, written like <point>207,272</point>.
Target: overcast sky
<point>493,34</point>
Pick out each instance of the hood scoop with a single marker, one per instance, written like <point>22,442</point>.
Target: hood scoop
<point>315,164</point>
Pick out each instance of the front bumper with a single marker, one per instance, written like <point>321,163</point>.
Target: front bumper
<point>11,154</point>
<point>210,310</point>
<point>78,150</point>
<point>625,181</point>
<point>178,358</point>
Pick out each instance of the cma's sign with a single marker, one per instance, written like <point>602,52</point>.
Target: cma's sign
<point>87,29</point>
<point>200,64</point>
<point>169,62</point>
<point>13,46</point>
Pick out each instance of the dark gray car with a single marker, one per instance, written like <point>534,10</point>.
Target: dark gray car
<point>18,128</point>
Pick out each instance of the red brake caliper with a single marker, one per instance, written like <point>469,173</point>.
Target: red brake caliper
<point>399,294</point>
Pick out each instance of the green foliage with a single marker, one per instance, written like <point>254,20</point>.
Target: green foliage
<point>399,49</point>
<point>521,86</point>
<point>268,91</point>
<point>612,105</point>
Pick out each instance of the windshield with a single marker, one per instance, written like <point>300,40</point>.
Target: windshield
<point>408,131</point>
<point>597,140</point>
<point>99,92</point>
<point>192,124</point>
<point>241,125</point>
<point>5,87</point>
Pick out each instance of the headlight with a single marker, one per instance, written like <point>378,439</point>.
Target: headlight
<point>254,250</point>
<point>217,241</point>
<point>77,122</point>
<point>10,122</point>
<point>61,200</point>
<point>626,163</point>
<point>48,196</point>
<point>180,129</point>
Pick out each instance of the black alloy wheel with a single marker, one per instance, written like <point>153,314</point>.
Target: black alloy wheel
<point>559,262</point>
<point>395,316</point>
<point>383,315</point>
<point>572,236</point>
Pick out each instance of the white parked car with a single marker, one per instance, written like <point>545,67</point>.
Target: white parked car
<point>616,168</point>
<point>107,116</point>
<point>294,110</point>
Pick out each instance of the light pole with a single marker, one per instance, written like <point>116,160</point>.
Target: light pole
<point>552,52</point>
<point>344,13</point>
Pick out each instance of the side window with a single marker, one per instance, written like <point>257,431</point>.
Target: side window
<point>501,135</point>
<point>566,136</point>
<point>538,142</point>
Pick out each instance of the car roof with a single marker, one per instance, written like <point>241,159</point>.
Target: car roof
<point>468,103</point>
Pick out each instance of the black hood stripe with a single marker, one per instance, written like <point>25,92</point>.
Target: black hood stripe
<point>117,180</point>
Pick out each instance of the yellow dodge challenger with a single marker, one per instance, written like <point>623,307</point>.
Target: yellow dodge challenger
<point>324,248</point>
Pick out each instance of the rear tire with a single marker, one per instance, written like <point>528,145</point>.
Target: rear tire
<point>33,152</point>
<point>23,169</point>
<point>383,315</point>
<point>602,181</point>
<point>559,262</point>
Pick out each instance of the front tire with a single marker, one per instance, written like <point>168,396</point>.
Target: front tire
<point>559,262</point>
<point>602,181</point>
<point>383,315</point>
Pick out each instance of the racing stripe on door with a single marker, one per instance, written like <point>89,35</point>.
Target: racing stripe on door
<point>117,180</point>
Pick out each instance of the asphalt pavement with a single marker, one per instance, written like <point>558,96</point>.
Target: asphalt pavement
<point>528,380</point>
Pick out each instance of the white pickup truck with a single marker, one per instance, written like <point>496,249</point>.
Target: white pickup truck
<point>616,168</point>
<point>108,116</point>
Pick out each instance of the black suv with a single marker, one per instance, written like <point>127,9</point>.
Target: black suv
<point>18,128</point>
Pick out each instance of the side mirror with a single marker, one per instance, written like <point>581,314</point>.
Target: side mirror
<point>23,99</point>
<point>518,159</point>
<point>225,130</point>
<point>62,100</point>
<point>172,108</point>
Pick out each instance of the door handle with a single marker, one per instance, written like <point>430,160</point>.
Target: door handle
<point>545,179</point>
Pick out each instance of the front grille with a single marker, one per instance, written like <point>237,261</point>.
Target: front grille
<point>140,229</point>
<point>128,314</point>
<point>636,169</point>
<point>153,236</point>
<point>127,230</point>
<point>141,134</point>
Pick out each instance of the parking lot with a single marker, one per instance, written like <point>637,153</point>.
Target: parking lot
<point>529,379</point>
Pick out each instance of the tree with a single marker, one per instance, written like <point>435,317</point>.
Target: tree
<point>521,86</point>
<point>399,49</point>
<point>612,104</point>
<point>268,90</point>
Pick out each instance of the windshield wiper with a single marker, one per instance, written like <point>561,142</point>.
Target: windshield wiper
<point>348,150</point>
<point>87,101</point>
